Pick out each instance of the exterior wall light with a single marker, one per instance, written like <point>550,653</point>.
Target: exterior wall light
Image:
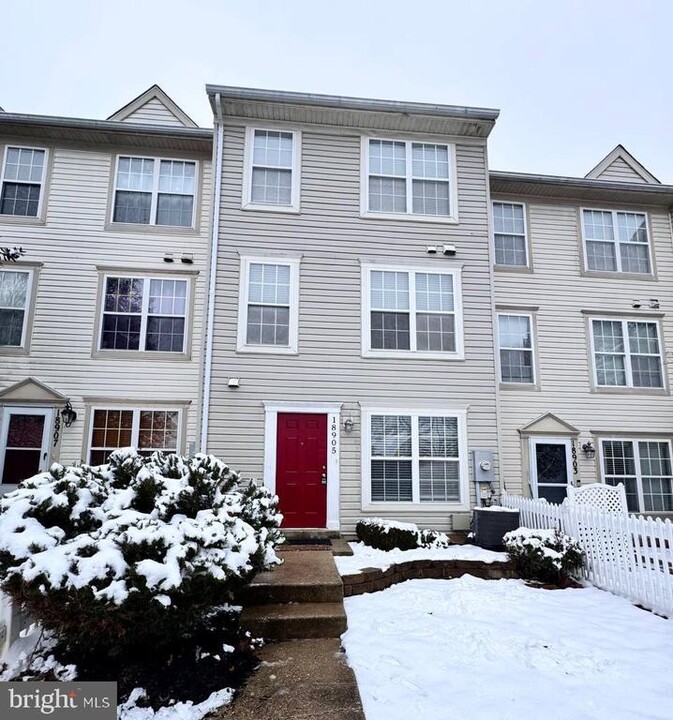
<point>68,414</point>
<point>349,424</point>
<point>589,450</point>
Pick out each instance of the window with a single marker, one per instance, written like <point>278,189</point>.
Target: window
<point>515,338</point>
<point>627,353</point>
<point>22,181</point>
<point>272,170</point>
<point>269,303</point>
<point>146,314</point>
<point>409,178</point>
<point>414,457</point>
<point>616,241</point>
<point>644,467</point>
<point>509,227</point>
<point>14,305</point>
<point>147,430</point>
<point>152,191</point>
<point>411,312</point>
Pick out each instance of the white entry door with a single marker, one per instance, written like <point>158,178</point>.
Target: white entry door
<point>24,442</point>
<point>550,467</point>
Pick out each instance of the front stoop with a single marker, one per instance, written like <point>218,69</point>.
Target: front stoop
<point>302,598</point>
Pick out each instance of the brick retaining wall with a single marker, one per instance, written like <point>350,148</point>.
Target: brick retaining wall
<point>374,579</point>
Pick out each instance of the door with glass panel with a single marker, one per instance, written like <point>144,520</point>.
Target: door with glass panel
<point>550,468</point>
<point>24,443</point>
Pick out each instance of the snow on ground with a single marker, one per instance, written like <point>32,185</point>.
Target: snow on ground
<point>180,711</point>
<point>365,556</point>
<point>500,650</point>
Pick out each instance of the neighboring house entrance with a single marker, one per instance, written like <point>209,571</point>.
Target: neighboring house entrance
<point>550,467</point>
<point>301,469</point>
<point>24,442</point>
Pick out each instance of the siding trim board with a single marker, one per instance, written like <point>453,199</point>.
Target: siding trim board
<point>333,412</point>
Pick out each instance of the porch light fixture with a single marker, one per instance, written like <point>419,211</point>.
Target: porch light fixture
<point>589,450</point>
<point>349,424</point>
<point>68,414</point>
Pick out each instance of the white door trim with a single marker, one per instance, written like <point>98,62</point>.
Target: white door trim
<point>333,412</point>
<point>9,410</point>
<point>552,440</point>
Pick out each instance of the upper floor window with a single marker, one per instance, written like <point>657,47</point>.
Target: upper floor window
<point>152,191</point>
<point>627,353</point>
<point>644,468</point>
<point>269,305</point>
<point>144,314</point>
<point>271,180</point>
<point>411,312</point>
<point>147,430</point>
<point>14,303</point>
<point>515,339</point>
<point>403,177</point>
<point>23,173</point>
<point>509,226</point>
<point>616,241</point>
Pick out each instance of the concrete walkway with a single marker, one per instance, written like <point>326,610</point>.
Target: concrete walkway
<point>305,675</point>
<point>299,680</point>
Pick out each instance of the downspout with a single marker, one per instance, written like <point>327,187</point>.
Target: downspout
<point>212,279</point>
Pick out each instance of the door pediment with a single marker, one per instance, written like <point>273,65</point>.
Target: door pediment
<point>31,391</point>
<point>549,424</point>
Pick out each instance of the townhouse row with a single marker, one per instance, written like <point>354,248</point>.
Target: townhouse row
<point>339,298</point>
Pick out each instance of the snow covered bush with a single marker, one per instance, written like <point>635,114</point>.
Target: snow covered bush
<point>133,553</point>
<point>388,535</point>
<point>546,556</point>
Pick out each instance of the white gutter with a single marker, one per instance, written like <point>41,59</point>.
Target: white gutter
<point>212,280</point>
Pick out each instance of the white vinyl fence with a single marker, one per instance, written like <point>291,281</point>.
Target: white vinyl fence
<point>626,555</point>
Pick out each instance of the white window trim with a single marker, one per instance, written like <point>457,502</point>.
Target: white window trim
<point>135,429</point>
<point>525,233</point>
<point>40,204</point>
<point>295,195</point>
<point>532,470</point>
<point>26,310</point>
<point>368,352</point>
<point>627,353</point>
<point>144,314</point>
<point>365,455</point>
<point>617,243</point>
<point>532,350</point>
<point>5,412</point>
<point>155,191</point>
<point>293,338</point>
<point>332,410</point>
<point>365,212</point>
<point>636,460</point>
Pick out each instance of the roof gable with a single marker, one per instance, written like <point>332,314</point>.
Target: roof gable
<point>153,107</point>
<point>31,390</point>
<point>620,166</point>
<point>548,424</point>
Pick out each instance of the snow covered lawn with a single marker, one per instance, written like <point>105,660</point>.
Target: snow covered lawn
<point>365,556</point>
<point>500,650</point>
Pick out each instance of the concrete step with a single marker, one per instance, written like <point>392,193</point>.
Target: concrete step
<point>295,620</point>
<point>309,533</point>
<point>306,576</point>
<point>341,547</point>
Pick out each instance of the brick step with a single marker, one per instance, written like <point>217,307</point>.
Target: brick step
<point>295,620</point>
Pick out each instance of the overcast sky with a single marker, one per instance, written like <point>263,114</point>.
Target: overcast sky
<point>572,78</point>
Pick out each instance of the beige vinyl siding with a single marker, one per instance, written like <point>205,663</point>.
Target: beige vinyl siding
<point>620,171</point>
<point>333,240</point>
<point>560,291</point>
<point>71,245</point>
<point>153,112</point>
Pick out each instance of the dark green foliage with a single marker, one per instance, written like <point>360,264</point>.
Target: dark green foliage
<point>545,556</point>
<point>387,535</point>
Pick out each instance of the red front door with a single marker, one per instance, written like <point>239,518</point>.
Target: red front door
<point>301,469</point>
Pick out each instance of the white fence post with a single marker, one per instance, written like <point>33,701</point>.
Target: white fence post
<point>626,555</point>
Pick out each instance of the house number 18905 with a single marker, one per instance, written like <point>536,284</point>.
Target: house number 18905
<point>334,435</point>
